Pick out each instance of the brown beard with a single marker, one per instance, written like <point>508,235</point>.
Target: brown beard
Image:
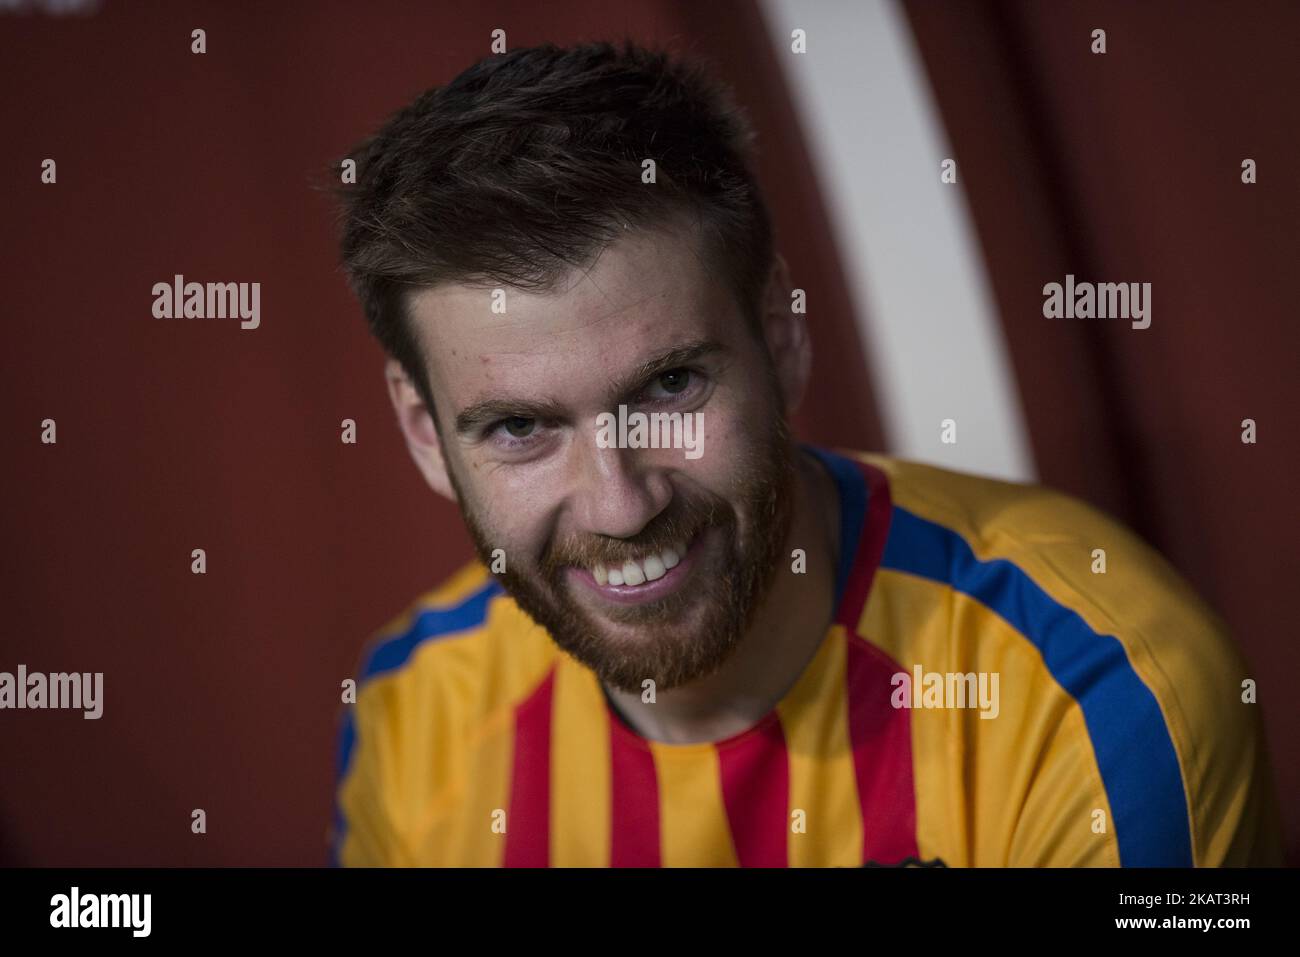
<point>673,651</point>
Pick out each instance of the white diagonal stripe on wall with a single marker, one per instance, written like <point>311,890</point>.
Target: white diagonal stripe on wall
<point>922,300</point>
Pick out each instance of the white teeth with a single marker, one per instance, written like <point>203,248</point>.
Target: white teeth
<point>654,568</point>
<point>651,568</point>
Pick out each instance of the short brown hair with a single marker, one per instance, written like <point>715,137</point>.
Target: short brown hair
<point>529,163</point>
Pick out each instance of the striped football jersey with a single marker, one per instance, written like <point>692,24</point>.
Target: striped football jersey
<point>987,695</point>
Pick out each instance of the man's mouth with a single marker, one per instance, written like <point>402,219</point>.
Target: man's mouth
<point>644,578</point>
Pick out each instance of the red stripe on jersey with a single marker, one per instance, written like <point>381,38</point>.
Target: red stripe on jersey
<point>755,771</point>
<point>528,826</point>
<point>634,814</point>
<point>881,736</point>
<point>869,547</point>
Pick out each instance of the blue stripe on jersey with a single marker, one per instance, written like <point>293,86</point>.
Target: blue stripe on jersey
<point>852,486</point>
<point>431,623</point>
<point>343,757</point>
<point>1135,754</point>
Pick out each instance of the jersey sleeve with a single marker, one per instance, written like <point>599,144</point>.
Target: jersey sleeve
<point>402,743</point>
<point>1067,816</point>
<point>364,832</point>
<point>1130,731</point>
<point>1172,723</point>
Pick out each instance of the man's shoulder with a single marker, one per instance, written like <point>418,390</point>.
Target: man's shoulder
<point>974,531</point>
<point>458,638</point>
<point>991,511</point>
<point>1149,664</point>
<point>432,685</point>
<point>458,608</point>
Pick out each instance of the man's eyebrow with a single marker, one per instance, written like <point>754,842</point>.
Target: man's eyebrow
<point>503,407</point>
<point>664,362</point>
<point>491,410</point>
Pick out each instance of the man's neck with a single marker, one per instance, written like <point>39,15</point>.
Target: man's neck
<point>781,641</point>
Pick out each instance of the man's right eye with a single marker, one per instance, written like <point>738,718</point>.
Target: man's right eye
<point>518,426</point>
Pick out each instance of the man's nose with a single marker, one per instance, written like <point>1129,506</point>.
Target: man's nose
<point>619,490</point>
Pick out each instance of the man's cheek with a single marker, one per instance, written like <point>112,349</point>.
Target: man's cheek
<point>526,553</point>
<point>729,431</point>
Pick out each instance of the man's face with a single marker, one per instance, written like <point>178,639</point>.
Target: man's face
<point>642,563</point>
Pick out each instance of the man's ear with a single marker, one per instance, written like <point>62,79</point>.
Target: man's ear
<point>418,428</point>
<point>786,335</point>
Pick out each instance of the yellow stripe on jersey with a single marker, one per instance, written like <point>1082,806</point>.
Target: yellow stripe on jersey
<point>458,828</point>
<point>1015,790</point>
<point>693,821</point>
<point>580,770</point>
<point>823,784</point>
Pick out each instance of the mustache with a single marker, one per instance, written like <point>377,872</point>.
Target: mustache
<point>667,529</point>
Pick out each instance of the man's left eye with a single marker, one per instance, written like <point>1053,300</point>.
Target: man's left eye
<point>675,380</point>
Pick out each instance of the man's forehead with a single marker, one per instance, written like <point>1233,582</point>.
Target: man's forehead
<point>644,277</point>
<point>644,294</point>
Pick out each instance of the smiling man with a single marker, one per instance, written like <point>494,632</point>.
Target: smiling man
<point>763,654</point>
